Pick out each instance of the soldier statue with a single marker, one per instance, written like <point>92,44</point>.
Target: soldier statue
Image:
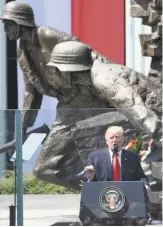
<point>85,80</point>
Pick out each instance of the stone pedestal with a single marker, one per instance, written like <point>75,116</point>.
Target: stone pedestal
<point>155,196</point>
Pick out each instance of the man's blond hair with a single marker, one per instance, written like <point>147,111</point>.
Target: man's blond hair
<point>114,129</point>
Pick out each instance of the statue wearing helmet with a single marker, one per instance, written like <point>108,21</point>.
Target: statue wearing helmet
<point>71,56</point>
<point>113,86</point>
<point>36,44</point>
<point>92,83</point>
<point>56,64</point>
<point>20,13</point>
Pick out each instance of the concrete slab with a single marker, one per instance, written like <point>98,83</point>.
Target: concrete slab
<point>43,210</point>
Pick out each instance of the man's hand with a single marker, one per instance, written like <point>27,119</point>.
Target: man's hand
<point>90,171</point>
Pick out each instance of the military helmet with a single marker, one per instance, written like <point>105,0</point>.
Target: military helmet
<point>71,56</point>
<point>20,13</point>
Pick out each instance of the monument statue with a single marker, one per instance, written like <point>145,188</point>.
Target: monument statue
<point>150,13</point>
<point>94,83</point>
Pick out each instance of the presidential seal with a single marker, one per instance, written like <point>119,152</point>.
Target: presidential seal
<point>112,199</point>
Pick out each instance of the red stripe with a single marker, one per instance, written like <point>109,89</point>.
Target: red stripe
<point>100,23</point>
<point>76,17</point>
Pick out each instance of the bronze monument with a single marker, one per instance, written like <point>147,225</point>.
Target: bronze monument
<point>108,85</point>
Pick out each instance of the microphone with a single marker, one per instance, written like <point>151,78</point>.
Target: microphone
<point>115,148</point>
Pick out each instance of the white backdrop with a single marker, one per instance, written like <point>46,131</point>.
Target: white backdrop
<point>134,58</point>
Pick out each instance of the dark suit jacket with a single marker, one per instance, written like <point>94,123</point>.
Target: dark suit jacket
<point>131,169</point>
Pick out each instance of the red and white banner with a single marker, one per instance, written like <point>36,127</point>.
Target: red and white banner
<point>101,24</point>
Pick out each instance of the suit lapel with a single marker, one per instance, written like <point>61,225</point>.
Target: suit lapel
<point>123,164</point>
<point>107,165</point>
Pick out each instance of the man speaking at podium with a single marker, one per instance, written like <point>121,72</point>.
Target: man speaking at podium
<point>115,163</point>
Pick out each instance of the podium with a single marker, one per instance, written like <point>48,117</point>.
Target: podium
<point>107,200</point>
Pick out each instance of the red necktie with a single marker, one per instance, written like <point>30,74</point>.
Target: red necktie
<point>116,168</point>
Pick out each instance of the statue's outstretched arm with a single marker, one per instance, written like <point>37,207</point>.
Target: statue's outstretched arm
<point>122,88</point>
<point>31,103</point>
<point>32,98</point>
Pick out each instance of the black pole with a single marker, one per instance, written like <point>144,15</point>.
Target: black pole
<point>12,215</point>
<point>12,208</point>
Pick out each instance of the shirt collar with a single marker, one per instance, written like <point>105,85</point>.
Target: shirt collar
<point>119,152</point>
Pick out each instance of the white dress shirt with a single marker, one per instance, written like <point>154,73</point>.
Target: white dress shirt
<point>119,156</point>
